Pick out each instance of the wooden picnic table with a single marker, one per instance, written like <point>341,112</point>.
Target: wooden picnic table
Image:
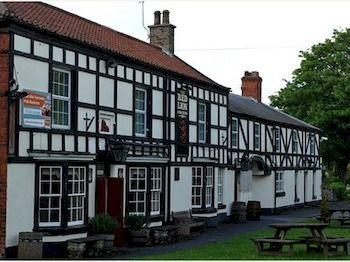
<point>316,229</point>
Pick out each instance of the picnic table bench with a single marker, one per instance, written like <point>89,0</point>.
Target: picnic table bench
<point>317,241</point>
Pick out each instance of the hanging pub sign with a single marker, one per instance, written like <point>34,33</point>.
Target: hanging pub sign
<point>182,125</point>
<point>36,110</point>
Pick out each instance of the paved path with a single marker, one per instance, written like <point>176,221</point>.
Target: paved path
<point>225,231</point>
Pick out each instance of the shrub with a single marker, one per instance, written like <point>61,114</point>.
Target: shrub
<point>135,222</point>
<point>103,224</point>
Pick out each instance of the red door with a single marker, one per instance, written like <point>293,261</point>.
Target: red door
<point>101,193</point>
<point>115,205</point>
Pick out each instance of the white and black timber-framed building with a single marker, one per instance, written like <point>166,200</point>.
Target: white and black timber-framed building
<point>276,157</point>
<point>112,124</point>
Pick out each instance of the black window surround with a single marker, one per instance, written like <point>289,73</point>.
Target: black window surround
<point>63,228</point>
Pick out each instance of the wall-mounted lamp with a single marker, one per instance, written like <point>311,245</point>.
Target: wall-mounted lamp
<point>111,63</point>
<point>13,93</point>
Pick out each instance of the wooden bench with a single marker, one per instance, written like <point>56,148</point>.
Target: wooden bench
<point>186,223</point>
<point>330,246</point>
<point>275,245</point>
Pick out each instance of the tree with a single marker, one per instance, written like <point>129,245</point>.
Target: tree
<point>319,93</point>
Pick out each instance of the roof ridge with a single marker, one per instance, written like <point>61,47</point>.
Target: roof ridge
<point>98,24</point>
<point>3,8</point>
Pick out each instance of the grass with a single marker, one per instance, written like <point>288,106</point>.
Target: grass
<point>241,247</point>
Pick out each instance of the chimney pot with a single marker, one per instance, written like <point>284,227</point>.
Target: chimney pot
<point>165,17</point>
<point>157,17</point>
<point>251,85</point>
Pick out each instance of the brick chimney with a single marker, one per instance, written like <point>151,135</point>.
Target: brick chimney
<point>162,33</point>
<point>251,85</point>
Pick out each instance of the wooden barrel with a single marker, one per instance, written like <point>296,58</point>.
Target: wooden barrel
<point>253,210</point>
<point>239,212</point>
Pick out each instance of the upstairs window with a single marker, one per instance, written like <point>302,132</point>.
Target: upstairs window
<point>60,99</point>
<point>312,144</point>
<point>294,142</point>
<point>140,112</point>
<point>277,139</point>
<point>234,132</point>
<point>201,122</point>
<point>256,136</point>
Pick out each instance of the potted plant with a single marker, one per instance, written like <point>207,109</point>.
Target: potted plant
<point>103,227</point>
<point>324,209</point>
<point>138,233</point>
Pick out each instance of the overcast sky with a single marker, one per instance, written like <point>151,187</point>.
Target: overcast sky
<point>222,39</point>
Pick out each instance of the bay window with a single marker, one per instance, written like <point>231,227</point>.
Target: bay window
<point>220,187</point>
<point>202,186</point>
<point>196,187</point>
<point>156,188</point>
<point>137,191</point>
<point>57,185</point>
<point>140,112</point>
<point>60,99</point>
<point>201,122</point>
<point>50,194</point>
<point>209,187</point>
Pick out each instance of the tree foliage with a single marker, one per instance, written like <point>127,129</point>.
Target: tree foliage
<point>319,93</point>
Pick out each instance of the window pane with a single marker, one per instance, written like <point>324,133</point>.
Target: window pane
<point>54,215</point>
<point>45,188</point>
<point>44,216</point>
<point>44,202</point>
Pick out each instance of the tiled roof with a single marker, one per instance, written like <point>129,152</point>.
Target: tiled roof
<point>251,107</point>
<point>63,23</point>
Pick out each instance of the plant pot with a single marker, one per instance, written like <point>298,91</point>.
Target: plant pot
<point>141,237</point>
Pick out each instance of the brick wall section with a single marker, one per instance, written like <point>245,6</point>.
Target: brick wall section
<point>4,80</point>
<point>251,85</point>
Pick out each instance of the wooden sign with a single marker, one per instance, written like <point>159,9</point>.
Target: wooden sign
<point>182,124</point>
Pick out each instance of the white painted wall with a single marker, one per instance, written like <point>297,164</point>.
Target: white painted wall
<point>288,199</point>
<point>263,190</point>
<point>157,103</point>
<point>157,128</point>
<point>124,95</point>
<point>23,143</point>
<point>20,201</point>
<point>87,87</point>
<point>184,185</point>
<point>27,78</point>
<point>223,116</point>
<point>57,54</point>
<point>228,189</point>
<point>124,124</point>
<point>192,110</point>
<point>41,49</point>
<point>22,44</point>
<point>91,114</point>
<point>214,114</point>
<point>40,141</point>
<point>106,86</point>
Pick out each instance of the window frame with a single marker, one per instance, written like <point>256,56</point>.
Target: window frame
<point>137,190</point>
<point>209,186</point>
<point>294,142</point>
<point>202,123</point>
<point>142,112</point>
<point>196,186</point>
<point>62,98</point>
<point>279,182</point>
<point>50,195</point>
<point>312,145</point>
<point>220,186</point>
<point>155,190</point>
<point>83,195</point>
<point>234,133</point>
<point>256,127</point>
<point>277,139</point>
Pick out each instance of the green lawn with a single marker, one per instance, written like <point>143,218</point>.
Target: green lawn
<point>241,247</point>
